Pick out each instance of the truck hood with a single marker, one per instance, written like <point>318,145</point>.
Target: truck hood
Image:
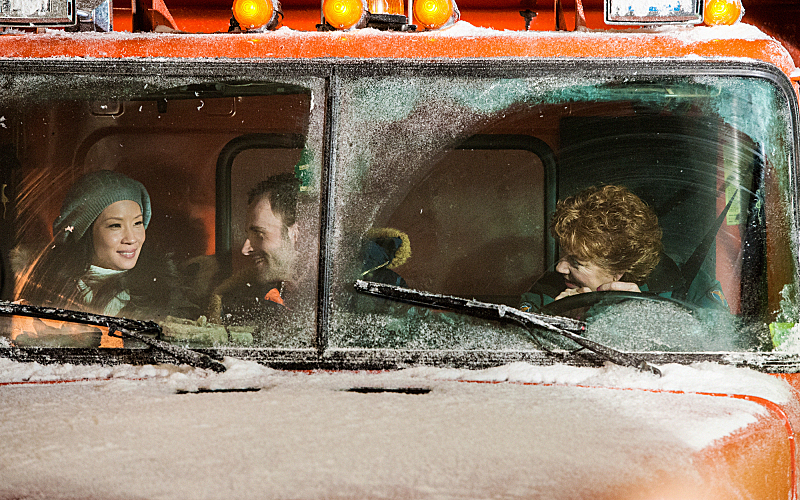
<point>513,431</point>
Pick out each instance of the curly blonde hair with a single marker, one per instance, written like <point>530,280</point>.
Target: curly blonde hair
<point>612,228</point>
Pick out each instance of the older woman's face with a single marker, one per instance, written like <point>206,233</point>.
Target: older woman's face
<point>580,274</point>
<point>118,235</point>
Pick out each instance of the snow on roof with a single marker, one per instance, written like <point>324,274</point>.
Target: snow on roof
<point>672,35</point>
<point>687,34</point>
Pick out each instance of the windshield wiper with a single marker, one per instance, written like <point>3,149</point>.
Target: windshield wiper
<point>565,327</point>
<point>130,328</point>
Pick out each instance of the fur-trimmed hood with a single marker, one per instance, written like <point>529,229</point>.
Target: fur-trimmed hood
<point>385,247</point>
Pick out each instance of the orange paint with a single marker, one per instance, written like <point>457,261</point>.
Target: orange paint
<point>724,461</point>
<point>365,45</point>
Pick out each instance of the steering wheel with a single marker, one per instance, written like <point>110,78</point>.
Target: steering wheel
<point>581,300</point>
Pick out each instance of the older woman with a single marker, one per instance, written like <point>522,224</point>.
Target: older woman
<point>611,241</point>
<point>97,261</point>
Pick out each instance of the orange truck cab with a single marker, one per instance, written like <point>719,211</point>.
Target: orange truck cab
<point>349,204</point>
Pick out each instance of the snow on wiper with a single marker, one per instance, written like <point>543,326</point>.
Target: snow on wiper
<point>130,328</point>
<point>565,327</point>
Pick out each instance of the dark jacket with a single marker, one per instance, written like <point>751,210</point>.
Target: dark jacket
<point>241,300</point>
<point>665,280</point>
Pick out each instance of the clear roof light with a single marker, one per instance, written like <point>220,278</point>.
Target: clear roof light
<point>653,11</point>
<point>37,13</point>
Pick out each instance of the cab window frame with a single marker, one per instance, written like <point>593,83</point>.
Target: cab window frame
<point>332,73</point>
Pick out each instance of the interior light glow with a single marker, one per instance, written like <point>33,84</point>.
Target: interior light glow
<point>344,14</point>
<point>378,6</point>
<point>722,12</point>
<point>435,14</point>
<point>396,7</point>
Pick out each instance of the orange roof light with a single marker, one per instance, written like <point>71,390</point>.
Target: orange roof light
<point>257,14</point>
<point>344,14</point>
<point>722,12</point>
<point>435,14</point>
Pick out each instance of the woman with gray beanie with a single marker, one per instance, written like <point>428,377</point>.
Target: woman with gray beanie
<point>97,261</point>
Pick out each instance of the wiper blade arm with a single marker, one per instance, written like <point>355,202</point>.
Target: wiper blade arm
<point>566,327</point>
<point>126,327</point>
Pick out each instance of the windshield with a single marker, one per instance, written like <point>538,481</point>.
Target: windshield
<point>671,191</point>
<point>649,214</point>
<point>161,199</point>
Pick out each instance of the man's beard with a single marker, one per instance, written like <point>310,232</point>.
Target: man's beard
<point>274,266</point>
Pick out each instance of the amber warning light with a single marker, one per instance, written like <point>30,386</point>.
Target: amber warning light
<point>645,12</point>
<point>388,14</point>
<point>723,12</point>
<point>436,14</point>
<point>37,13</point>
<point>255,15</point>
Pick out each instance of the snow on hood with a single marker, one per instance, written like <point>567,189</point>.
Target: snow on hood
<point>305,436</point>
<point>133,431</point>
<point>709,378</point>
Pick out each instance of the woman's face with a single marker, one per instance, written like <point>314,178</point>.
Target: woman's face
<point>118,235</point>
<point>579,274</point>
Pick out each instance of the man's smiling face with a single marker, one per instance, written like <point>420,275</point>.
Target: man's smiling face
<point>270,244</point>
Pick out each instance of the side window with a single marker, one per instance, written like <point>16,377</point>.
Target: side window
<point>190,203</point>
<point>474,223</point>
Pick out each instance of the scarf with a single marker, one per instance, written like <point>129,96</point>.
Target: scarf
<point>95,276</point>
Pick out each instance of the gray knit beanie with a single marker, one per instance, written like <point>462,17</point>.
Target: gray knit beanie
<point>90,195</point>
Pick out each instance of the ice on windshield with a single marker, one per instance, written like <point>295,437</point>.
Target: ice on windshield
<point>469,170</point>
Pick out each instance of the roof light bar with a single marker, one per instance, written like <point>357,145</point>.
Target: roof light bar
<point>353,14</point>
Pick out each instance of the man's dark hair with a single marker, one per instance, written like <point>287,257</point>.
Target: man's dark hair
<point>281,191</point>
